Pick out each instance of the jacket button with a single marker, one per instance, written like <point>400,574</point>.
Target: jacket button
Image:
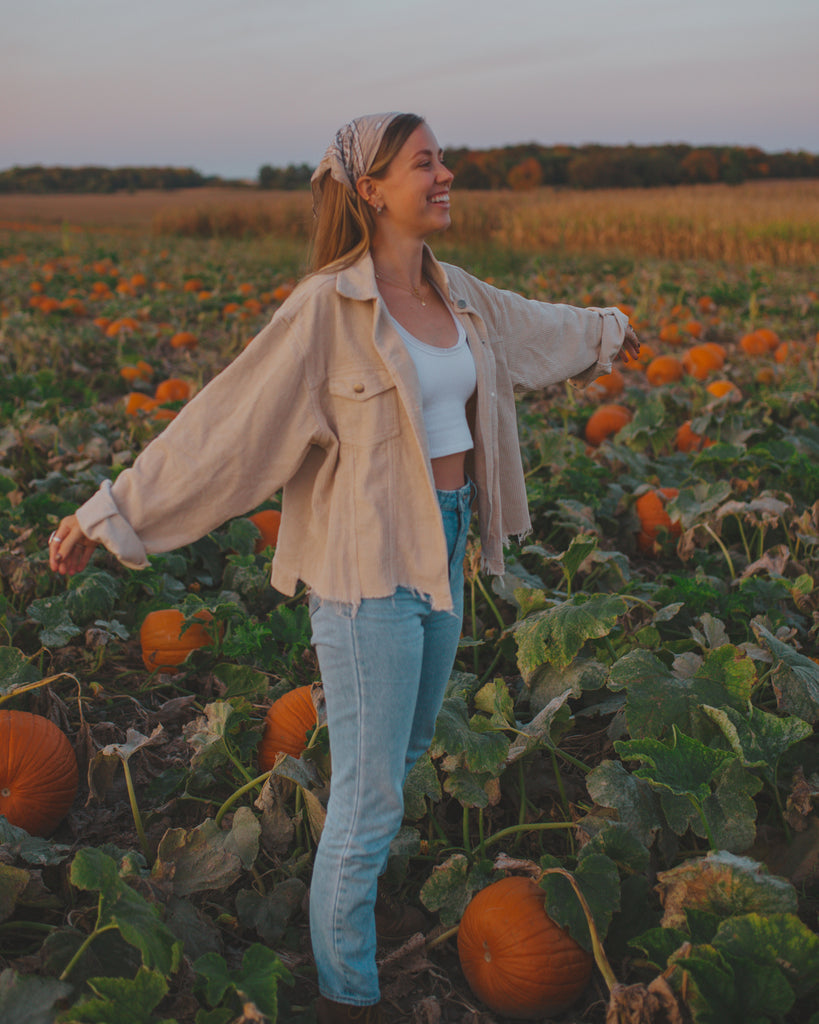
<point>461,304</point>
<point>358,388</point>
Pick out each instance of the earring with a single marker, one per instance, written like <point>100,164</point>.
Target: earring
<point>378,208</point>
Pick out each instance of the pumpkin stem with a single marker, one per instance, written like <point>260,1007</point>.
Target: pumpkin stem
<point>15,691</point>
<point>439,940</point>
<point>708,529</point>
<point>236,794</point>
<point>143,839</point>
<point>597,947</point>
<point>72,963</point>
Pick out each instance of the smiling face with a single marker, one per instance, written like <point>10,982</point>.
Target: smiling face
<point>414,192</point>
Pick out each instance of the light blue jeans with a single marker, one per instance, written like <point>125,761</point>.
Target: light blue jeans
<point>384,665</point>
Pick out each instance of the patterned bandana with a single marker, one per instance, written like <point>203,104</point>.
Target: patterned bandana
<point>351,152</point>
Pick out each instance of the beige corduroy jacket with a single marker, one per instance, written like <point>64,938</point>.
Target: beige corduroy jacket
<point>324,403</point>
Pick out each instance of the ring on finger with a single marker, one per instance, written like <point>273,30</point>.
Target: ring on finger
<point>54,536</point>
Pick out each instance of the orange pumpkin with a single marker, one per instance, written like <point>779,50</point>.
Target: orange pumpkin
<point>650,508</point>
<point>721,388</point>
<point>172,390</point>
<point>163,642</point>
<point>267,523</point>
<point>754,344</point>
<point>137,402</point>
<point>515,958</point>
<point>184,339</point>
<point>38,772</point>
<point>608,385</point>
<point>670,333</point>
<point>605,421</point>
<point>287,723</point>
<point>686,440</point>
<point>700,360</point>
<point>664,370</point>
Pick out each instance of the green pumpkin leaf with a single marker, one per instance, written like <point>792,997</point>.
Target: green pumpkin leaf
<point>270,913</point>
<point>598,880</point>
<point>759,739</point>
<point>730,809</point>
<point>476,745</point>
<point>242,681</point>
<point>685,767</point>
<point>729,669</point>
<point>658,944</point>
<point>138,921</point>
<point>795,678</point>
<point>496,701</point>
<point>733,992</point>
<point>723,884</point>
<point>637,805</point>
<point>92,595</point>
<point>556,635</point>
<point>124,1000</point>
<point>31,849</point>
<point>620,845</point>
<point>28,999</point>
<point>422,783</point>
<point>549,682</point>
<point>776,939</point>
<point>57,628</point>
<point>15,670</point>
<point>468,787</point>
<point>658,698</point>
<point>451,886</point>
<point>256,981</point>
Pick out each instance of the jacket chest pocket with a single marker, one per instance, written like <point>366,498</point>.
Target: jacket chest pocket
<point>365,405</point>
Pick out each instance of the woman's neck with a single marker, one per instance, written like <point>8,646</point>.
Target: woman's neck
<point>401,262</point>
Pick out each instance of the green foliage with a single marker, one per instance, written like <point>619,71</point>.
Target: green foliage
<point>256,982</point>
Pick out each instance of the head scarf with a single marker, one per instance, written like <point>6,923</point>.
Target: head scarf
<point>351,152</point>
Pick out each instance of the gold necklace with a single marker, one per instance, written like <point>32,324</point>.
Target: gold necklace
<point>416,292</point>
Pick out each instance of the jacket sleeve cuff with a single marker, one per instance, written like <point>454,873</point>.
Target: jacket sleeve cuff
<point>101,521</point>
<point>613,330</point>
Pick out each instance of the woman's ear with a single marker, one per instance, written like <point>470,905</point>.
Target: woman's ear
<point>366,188</point>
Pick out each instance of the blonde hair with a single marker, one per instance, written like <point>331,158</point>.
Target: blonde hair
<point>345,222</point>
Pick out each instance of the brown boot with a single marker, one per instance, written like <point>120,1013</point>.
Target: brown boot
<point>396,922</point>
<point>328,1012</point>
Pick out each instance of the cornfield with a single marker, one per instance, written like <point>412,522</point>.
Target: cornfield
<point>773,223</point>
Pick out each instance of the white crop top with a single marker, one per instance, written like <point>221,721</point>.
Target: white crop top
<point>447,377</point>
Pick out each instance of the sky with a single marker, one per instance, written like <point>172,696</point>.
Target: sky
<point>225,86</point>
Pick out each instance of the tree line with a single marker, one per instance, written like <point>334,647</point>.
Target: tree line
<point>518,167</point>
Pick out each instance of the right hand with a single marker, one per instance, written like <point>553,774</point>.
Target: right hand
<point>69,550</point>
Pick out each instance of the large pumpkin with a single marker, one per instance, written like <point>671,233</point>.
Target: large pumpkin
<point>287,723</point>
<point>38,772</point>
<point>163,642</point>
<point>515,958</point>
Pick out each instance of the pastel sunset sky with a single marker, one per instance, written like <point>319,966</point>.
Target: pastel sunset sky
<point>225,86</point>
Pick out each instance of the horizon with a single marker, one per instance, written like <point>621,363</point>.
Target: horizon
<point>509,145</point>
<point>227,90</point>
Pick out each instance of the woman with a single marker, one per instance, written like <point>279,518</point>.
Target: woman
<point>381,399</point>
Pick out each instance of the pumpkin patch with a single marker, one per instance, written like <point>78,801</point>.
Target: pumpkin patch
<point>633,700</point>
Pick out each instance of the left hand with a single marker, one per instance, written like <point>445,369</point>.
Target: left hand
<point>630,346</point>
<point>69,550</point>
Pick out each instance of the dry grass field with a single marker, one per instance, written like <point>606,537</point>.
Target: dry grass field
<point>769,223</point>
